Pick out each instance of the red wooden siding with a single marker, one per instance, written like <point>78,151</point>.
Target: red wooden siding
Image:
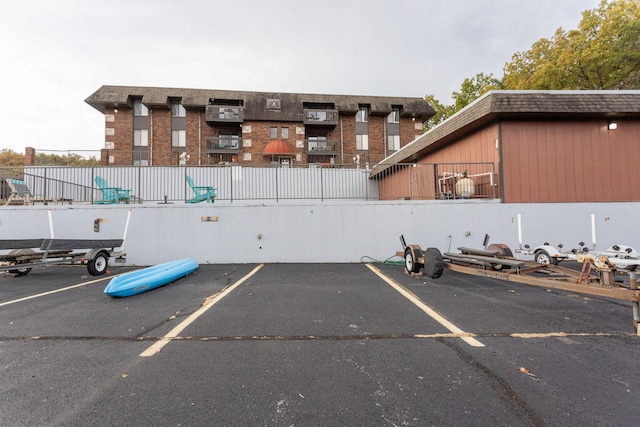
<point>550,162</point>
<point>477,147</point>
<point>407,182</point>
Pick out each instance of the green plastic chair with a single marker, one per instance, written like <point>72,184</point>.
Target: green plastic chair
<point>111,195</point>
<point>201,193</point>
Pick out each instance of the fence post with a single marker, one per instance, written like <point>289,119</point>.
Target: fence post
<point>321,185</point>
<point>276,169</point>
<point>231,183</point>
<point>93,176</point>
<point>366,186</point>
<point>139,183</point>
<point>44,189</point>
<point>410,183</point>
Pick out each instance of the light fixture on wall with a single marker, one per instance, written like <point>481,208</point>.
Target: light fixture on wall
<point>613,125</point>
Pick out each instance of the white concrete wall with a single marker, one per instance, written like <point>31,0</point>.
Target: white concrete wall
<point>316,232</point>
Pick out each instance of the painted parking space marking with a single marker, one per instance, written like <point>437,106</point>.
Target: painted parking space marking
<point>55,291</point>
<point>465,336</point>
<point>209,302</point>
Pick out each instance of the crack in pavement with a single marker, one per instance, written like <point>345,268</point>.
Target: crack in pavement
<point>318,337</point>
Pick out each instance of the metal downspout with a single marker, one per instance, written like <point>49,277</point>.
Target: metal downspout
<point>500,163</point>
<point>199,138</point>
<point>341,144</point>
<point>150,137</point>
<point>384,137</point>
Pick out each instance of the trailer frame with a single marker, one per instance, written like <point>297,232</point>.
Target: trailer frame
<point>592,279</point>
<point>26,254</point>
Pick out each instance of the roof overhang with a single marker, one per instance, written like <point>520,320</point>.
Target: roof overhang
<point>496,106</point>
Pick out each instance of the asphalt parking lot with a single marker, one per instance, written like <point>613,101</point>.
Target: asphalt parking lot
<point>312,344</point>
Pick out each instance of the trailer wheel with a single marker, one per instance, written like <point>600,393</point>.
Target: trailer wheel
<point>542,257</point>
<point>433,263</point>
<point>501,248</point>
<point>98,265</point>
<point>20,271</point>
<point>410,260</point>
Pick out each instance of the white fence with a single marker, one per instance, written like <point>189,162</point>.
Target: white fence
<point>231,182</point>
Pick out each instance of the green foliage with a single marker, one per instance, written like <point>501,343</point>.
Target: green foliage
<point>11,158</point>
<point>442,112</point>
<point>603,53</point>
<point>471,89</point>
<point>474,88</point>
<point>71,159</point>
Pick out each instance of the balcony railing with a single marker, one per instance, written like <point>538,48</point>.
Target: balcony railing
<point>223,144</point>
<point>320,117</point>
<point>321,148</point>
<point>224,114</point>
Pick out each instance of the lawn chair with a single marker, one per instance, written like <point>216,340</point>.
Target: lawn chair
<point>202,193</point>
<point>20,193</point>
<point>111,195</point>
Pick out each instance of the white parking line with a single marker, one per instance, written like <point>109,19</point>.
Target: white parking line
<point>209,302</point>
<point>465,336</point>
<point>55,291</point>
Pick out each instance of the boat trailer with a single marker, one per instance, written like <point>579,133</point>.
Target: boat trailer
<point>26,254</point>
<point>597,276</point>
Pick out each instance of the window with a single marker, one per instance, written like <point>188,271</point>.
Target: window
<point>394,116</point>
<point>140,137</point>
<point>362,142</point>
<point>139,109</point>
<point>285,133</point>
<point>362,116</point>
<point>393,143</point>
<point>178,110</point>
<point>178,138</point>
<point>273,104</point>
<point>273,133</point>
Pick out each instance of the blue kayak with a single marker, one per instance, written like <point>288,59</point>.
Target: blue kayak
<point>139,281</point>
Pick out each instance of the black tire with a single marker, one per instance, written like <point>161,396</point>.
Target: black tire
<point>433,263</point>
<point>410,260</point>
<point>502,249</point>
<point>98,265</point>
<point>20,271</point>
<point>542,257</point>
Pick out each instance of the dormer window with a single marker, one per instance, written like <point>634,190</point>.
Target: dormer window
<point>177,109</point>
<point>273,104</point>
<point>139,109</point>
<point>362,116</point>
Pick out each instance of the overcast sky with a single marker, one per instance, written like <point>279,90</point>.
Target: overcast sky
<point>55,53</point>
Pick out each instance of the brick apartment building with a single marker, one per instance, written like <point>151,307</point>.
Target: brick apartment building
<point>168,126</point>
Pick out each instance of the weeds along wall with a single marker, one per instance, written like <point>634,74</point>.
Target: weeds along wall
<point>321,232</point>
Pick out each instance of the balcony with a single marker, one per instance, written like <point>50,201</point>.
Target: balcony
<point>321,148</point>
<point>224,114</point>
<point>320,117</point>
<point>223,144</point>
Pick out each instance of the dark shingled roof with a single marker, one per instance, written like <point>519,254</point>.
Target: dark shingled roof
<point>255,102</point>
<point>519,105</point>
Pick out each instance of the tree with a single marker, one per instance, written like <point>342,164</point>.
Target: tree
<point>443,112</point>
<point>603,53</point>
<point>473,88</point>
<point>470,90</point>
<point>71,159</point>
<point>9,157</point>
